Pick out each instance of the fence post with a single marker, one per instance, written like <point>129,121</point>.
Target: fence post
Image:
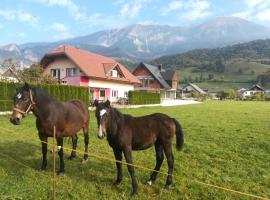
<point>54,176</point>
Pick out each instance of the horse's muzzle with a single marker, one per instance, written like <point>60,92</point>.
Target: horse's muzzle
<point>15,121</point>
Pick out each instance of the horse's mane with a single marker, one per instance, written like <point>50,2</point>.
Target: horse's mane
<point>42,95</point>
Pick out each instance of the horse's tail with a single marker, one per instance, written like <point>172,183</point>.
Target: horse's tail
<point>179,135</point>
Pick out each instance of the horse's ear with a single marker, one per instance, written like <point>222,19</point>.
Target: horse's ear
<point>107,103</point>
<point>95,103</point>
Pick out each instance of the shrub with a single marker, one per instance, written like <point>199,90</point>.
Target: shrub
<point>60,92</point>
<point>139,97</point>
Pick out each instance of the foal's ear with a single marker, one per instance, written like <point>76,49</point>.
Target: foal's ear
<point>107,103</point>
<point>26,86</point>
<point>95,103</point>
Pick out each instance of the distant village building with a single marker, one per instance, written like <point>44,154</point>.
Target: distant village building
<point>245,93</point>
<point>212,92</point>
<point>155,79</point>
<point>9,75</point>
<point>104,76</point>
<point>190,89</point>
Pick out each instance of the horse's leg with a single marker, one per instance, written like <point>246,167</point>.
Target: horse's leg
<point>61,155</point>
<point>159,160</point>
<point>86,142</point>
<point>74,146</point>
<point>44,145</point>
<point>118,157</point>
<point>128,157</point>
<point>170,160</point>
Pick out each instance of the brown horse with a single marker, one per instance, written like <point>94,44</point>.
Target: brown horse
<point>126,133</point>
<point>68,118</point>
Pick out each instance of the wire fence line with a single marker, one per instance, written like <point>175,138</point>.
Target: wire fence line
<point>98,156</point>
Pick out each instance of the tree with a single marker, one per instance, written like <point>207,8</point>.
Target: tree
<point>220,67</point>
<point>35,74</point>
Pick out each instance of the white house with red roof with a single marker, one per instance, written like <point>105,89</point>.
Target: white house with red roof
<point>105,77</point>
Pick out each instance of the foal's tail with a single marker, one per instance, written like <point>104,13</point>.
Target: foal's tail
<point>179,135</point>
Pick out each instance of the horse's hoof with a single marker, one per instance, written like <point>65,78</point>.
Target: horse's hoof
<point>71,157</point>
<point>168,186</point>
<point>61,173</point>
<point>84,160</point>
<point>134,193</point>
<point>150,182</point>
<point>117,182</point>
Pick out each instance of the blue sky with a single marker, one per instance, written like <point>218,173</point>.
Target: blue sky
<point>23,21</point>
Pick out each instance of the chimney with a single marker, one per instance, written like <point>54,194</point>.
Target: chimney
<point>160,68</point>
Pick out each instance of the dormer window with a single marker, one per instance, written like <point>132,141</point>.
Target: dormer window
<point>114,73</point>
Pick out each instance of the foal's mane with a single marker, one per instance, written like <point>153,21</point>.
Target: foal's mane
<point>116,114</point>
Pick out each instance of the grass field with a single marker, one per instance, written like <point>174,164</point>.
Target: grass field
<point>226,144</point>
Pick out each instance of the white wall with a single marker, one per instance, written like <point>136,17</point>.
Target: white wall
<point>120,87</point>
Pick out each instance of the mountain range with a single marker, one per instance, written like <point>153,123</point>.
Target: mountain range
<point>138,42</point>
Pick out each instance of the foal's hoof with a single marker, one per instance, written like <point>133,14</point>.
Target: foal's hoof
<point>84,160</point>
<point>42,169</point>
<point>149,182</point>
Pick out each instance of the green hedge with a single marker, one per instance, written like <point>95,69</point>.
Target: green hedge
<point>140,98</point>
<point>60,92</point>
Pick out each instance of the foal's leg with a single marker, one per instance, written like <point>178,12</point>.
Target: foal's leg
<point>44,145</point>
<point>118,157</point>
<point>74,146</point>
<point>128,156</point>
<point>159,160</point>
<point>170,161</point>
<point>61,155</point>
<point>86,142</point>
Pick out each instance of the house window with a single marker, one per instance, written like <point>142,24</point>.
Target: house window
<point>71,71</point>
<point>126,94</point>
<point>55,73</point>
<point>102,94</point>
<point>114,93</point>
<point>146,82</point>
<point>114,73</point>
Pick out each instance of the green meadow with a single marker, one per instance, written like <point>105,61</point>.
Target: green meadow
<point>226,144</point>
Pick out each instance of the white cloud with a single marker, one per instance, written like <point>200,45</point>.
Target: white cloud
<point>73,8</point>
<point>19,15</point>
<point>63,36</point>
<point>172,6</point>
<point>252,3</point>
<point>59,27</point>
<point>131,9</point>
<point>255,10</point>
<point>196,9</point>
<point>8,14</point>
<point>264,15</point>
<point>244,14</point>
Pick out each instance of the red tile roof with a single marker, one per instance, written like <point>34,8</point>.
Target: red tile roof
<point>93,65</point>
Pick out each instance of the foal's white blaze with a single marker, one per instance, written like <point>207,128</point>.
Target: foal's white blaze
<point>100,131</point>
<point>101,113</point>
<point>19,95</point>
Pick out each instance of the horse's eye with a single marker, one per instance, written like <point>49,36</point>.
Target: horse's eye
<point>25,99</point>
